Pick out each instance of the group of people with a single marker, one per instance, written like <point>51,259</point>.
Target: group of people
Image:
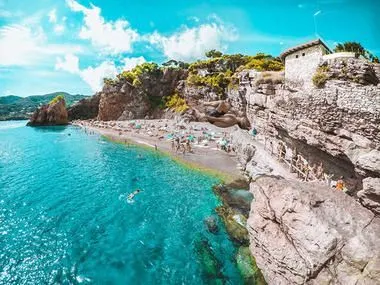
<point>181,146</point>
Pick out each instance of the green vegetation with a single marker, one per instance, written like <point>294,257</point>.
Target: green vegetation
<point>19,108</point>
<point>358,49</point>
<point>213,54</point>
<point>135,75</point>
<point>176,103</point>
<point>218,70</point>
<point>57,99</point>
<point>320,77</point>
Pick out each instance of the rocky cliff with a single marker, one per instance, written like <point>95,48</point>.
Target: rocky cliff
<point>337,124</point>
<point>86,108</point>
<point>309,234</point>
<point>54,113</point>
<point>123,100</point>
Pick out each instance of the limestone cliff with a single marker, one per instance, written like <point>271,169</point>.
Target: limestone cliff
<point>309,234</point>
<point>54,113</point>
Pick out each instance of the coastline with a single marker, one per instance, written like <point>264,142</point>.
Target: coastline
<point>207,159</point>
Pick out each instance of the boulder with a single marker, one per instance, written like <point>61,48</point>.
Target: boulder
<point>54,113</point>
<point>305,233</point>
<point>369,197</point>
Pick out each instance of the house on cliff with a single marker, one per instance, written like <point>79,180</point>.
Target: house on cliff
<point>302,61</point>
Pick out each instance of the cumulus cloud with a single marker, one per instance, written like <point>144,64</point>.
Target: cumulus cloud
<point>53,16</point>
<point>23,45</point>
<point>112,37</point>
<point>93,76</point>
<point>192,43</point>
<point>131,62</point>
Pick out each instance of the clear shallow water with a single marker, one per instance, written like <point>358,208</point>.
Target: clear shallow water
<point>64,217</point>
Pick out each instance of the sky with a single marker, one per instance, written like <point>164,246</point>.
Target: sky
<point>71,45</point>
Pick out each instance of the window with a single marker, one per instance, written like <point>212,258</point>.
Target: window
<point>303,54</point>
<point>296,55</point>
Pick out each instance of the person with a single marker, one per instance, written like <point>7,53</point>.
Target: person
<point>133,194</point>
<point>340,184</point>
<point>155,147</point>
<point>173,144</point>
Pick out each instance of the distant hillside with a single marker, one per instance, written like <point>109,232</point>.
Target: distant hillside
<point>17,108</point>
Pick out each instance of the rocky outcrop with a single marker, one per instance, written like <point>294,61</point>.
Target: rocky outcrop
<point>338,125</point>
<point>85,109</point>
<point>370,195</point>
<point>122,100</point>
<point>54,113</point>
<point>303,233</point>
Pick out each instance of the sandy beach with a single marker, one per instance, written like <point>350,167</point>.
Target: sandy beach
<point>210,148</point>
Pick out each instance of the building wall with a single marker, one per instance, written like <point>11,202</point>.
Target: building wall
<point>300,70</point>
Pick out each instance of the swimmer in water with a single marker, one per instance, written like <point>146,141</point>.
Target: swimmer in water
<point>133,194</point>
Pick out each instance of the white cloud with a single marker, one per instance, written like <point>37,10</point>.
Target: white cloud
<point>59,29</point>
<point>22,45</point>
<point>70,63</point>
<point>93,76</point>
<point>111,37</point>
<point>192,43</point>
<point>53,16</point>
<point>131,62</point>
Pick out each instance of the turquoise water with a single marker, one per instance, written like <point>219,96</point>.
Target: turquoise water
<point>64,216</point>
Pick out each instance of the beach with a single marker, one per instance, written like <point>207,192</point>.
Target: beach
<point>211,149</point>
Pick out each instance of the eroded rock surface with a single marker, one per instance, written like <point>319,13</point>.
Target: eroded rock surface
<point>304,233</point>
<point>51,114</point>
<point>87,108</point>
<point>370,195</point>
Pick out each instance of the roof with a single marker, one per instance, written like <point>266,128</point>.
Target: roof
<point>303,46</point>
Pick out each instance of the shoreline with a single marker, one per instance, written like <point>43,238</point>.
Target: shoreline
<point>206,159</point>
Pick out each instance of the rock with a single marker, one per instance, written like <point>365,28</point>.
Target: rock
<point>54,113</point>
<point>248,268</point>
<point>210,265</point>
<point>235,229</point>
<point>85,109</point>
<point>304,233</point>
<point>369,197</point>
<point>212,224</point>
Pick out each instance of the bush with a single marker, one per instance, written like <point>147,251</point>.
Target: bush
<point>176,103</point>
<point>57,99</point>
<point>319,79</point>
<point>270,77</point>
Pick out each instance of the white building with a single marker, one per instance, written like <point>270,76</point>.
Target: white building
<point>302,61</point>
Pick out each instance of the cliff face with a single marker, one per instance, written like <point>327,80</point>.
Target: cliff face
<point>87,108</point>
<point>54,113</point>
<point>123,100</point>
<point>302,233</point>
<point>338,124</point>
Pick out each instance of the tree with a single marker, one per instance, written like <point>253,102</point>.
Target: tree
<point>355,47</point>
<point>213,53</point>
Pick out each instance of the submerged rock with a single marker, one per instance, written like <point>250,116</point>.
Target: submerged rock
<point>54,113</point>
<point>210,265</point>
<point>304,233</point>
<point>234,224</point>
<point>211,223</point>
<point>248,268</point>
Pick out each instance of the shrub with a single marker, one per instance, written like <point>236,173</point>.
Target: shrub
<point>270,77</point>
<point>57,99</point>
<point>176,103</point>
<point>319,79</point>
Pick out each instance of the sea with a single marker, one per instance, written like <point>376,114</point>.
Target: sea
<point>65,216</point>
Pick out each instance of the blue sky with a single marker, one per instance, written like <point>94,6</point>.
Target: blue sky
<point>70,45</point>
